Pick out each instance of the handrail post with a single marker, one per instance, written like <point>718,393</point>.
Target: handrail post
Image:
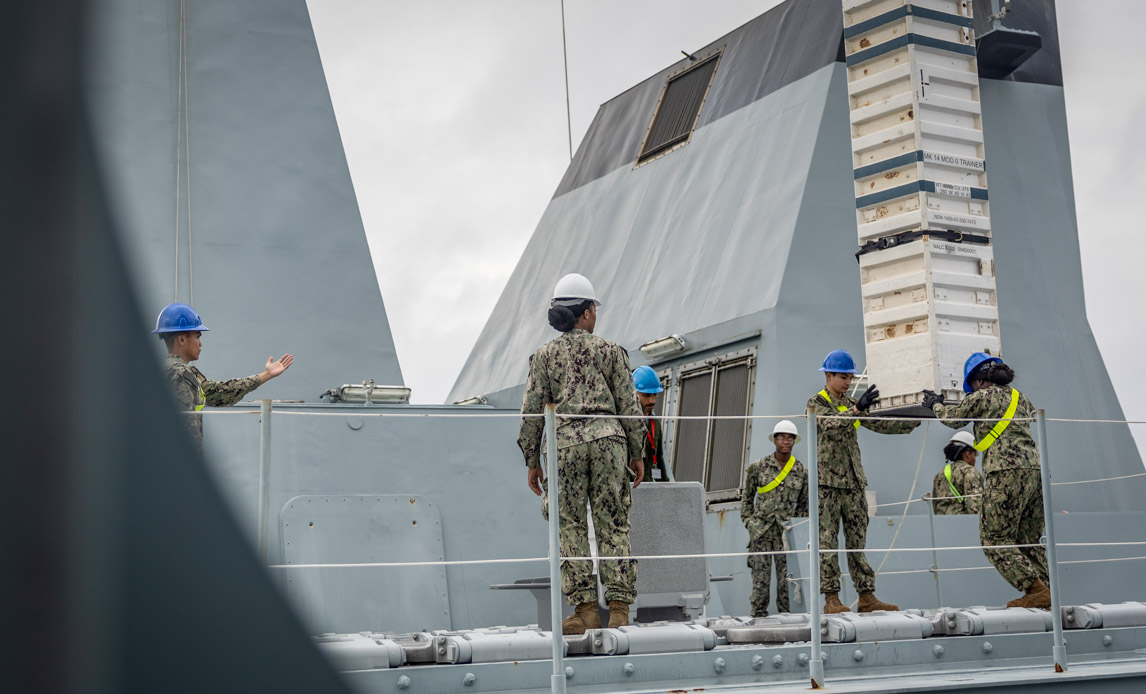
<point>557,681</point>
<point>934,553</point>
<point>1059,649</point>
<point>816,664</point>
<point>264,478</point>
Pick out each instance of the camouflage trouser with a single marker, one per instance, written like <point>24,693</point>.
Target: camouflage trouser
<point>595,473</point>
<point>850,506</point>
<point>771,540</point>
<point>1013,515</point>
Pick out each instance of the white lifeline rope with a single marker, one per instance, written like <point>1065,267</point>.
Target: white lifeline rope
<point>178,146</point>
<point>187,144</point>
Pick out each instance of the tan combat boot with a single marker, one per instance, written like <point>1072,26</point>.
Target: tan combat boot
<point>869,603</point>
<point>1038,595</point>
<point>584,617</point>
<point>618,614</point>
<point>832,604</point>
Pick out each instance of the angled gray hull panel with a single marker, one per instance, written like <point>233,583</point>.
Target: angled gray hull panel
<point>692,239</point>
<point>276,248</point>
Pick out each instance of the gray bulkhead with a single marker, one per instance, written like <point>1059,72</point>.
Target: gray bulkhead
<point>277,248</point>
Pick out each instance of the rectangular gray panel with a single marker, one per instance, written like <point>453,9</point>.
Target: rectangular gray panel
<point>365,529</point>
<point>692,434</point>
<point>668,518</point>
<point>728,434</point>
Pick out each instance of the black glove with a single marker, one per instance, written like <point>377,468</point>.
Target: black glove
<point>931,399</point>
<point>870,397</point>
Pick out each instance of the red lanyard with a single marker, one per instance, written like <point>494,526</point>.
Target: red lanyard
<point>652,443</point>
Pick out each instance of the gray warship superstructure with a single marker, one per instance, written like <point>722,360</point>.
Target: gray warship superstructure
<point>727,254</point>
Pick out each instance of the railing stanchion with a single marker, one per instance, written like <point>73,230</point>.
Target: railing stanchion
<point>1059,650</point>
<point>816,665</point>
<point>264,478</point>
<point>557,681</point>
<point>934,553</point>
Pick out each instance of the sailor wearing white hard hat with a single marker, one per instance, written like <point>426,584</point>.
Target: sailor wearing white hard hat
<point>583,374</point>
<point>775,490</point>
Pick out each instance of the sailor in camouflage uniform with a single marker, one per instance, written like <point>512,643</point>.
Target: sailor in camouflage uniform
<point>842,480</point>
<point>958,487</point>
<point>775,490</point>
<point>583,374</point>
<point>1012,491</point>
<point>181,328</point>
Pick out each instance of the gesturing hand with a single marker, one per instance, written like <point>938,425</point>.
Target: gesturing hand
<point>274,368</point>
<point>870,397</point>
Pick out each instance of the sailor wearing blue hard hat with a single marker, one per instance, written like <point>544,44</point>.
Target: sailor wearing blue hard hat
<point>842,480</point>
<point>181,329</point>
<point>648,386</point>
<point>1012,485</point>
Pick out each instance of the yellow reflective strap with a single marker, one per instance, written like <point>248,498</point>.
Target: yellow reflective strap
<point>779,478</point>
<point>1000,426</point>
<point>947,474</point>
<point>199,407</point>
<point>839,408</point>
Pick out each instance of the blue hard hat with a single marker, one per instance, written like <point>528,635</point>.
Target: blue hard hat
<point>646,380</point>
<point>839,361</point>
<point>178,318</point>
<point>973,362</point>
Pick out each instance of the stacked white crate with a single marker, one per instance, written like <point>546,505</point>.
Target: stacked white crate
<point>917,149</point>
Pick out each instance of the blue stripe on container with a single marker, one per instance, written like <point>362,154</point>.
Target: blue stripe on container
<point>901,41</point>
<point>899,13</point>
<point>909,189</point>
<point>889,194</point>
<point>888,164</point>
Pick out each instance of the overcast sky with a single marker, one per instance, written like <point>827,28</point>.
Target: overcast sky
<point>453,118</point>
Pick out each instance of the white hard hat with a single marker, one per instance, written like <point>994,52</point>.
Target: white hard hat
<point>784,426</point>
<point>573,289</point>
<point>963,437</point>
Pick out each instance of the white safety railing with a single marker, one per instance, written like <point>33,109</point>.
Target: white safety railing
<point>553,556</point>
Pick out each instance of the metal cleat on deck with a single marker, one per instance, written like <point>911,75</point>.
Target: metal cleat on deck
<point>1095,615</point>
<point>652,638</point>
<point>361,652</point>
<point>1000,620</point>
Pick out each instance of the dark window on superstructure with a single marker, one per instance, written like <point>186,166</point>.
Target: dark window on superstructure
<point>713,451</point>
<point>679,108</point>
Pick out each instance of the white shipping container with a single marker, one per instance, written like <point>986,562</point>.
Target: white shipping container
<point>927,306</point>
<point>917,153</point>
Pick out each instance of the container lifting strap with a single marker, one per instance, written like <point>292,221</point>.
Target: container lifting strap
<point>1000,426</point>
<point>839,408</point>
<point>779,478</point>
<point>909,236</point>
<point>947,474</point>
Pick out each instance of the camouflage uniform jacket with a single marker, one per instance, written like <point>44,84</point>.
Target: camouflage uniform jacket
<point>970,485</point>
<point>838,452</point>
<point>770,510</point>
<point>1015,448</point>
<point>192,390</point>
<point>582,374</point>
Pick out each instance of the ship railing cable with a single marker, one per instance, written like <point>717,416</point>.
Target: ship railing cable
<point>554,559</point>
<point>714,555</point>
